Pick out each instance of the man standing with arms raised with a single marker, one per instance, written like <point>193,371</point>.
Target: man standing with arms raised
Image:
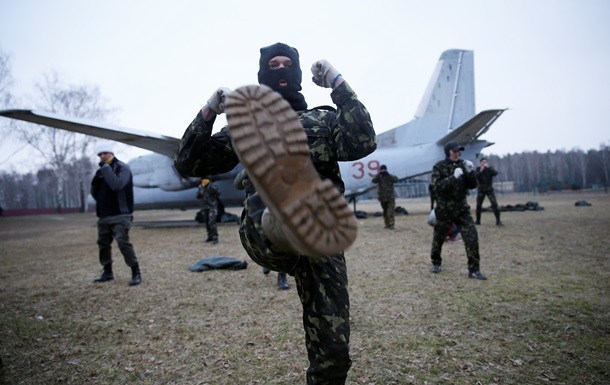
<point>297,221</point>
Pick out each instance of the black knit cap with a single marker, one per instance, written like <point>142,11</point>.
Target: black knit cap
<point>279,49</point>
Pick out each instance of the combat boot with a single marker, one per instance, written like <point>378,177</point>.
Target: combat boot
<point>271,144</point>
<point>106,275</point>
<point>498,221</point>
<point>282,282</point>
<point>136,277</point>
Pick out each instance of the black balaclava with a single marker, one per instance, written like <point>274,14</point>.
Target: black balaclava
<point>292,75</point>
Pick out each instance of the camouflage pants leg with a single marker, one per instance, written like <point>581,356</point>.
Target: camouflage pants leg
<point>322,287</point>
<point>494,204</point>
<point>438,239</point>
<point>209,216</point>
<point>492,199</point>
<point>471,240</point>
<point>480,199</point>
<point>388,212</point>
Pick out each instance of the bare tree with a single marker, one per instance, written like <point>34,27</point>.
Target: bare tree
<point>60,147</point>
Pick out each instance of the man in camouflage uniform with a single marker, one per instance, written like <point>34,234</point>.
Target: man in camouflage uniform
<point>208,193</point>
<point>385,194</point>
<point>297,221</point>
<point>485,176</point>
<point>451,180</point>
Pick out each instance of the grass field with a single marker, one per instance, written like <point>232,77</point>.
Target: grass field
<point>542,317</point>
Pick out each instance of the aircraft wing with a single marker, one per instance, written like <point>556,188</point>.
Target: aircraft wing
<point>473,128</point>
<point>151,141</point>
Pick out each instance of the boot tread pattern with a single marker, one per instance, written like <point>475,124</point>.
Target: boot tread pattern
<point>272,146</point>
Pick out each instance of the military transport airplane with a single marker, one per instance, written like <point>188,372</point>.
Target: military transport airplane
<point>446,113</point>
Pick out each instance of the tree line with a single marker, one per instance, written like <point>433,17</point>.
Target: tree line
<point>554,171</point>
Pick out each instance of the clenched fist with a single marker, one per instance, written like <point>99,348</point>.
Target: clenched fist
<point>324,74</point>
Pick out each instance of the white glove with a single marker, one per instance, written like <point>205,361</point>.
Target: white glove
<point>324,74</point>
<point>216,102</point>
<point>458,173</point>
<point>469,165</point>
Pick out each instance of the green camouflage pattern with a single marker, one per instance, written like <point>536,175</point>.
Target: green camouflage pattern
<point>209,201</point>
<point>209,196</point>
<point>452,207</point>
<point>386,196</point>
<point>333,135</point>
<point>485,179</point>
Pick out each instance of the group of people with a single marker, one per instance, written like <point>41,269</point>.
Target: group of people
<point>452,178</point>
<point>295,219</point>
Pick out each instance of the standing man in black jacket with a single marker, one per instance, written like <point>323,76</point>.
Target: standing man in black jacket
<point>112,189</point>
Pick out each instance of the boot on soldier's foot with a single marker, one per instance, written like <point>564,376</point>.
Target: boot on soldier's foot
<point>272,146</point>
<point>107,275</point>
<point>282,282</point>
<point>477,275</point>
<point>136,277</point>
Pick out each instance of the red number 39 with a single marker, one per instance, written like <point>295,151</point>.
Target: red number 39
<point>360,170</point>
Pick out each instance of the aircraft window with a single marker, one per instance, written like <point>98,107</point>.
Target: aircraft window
<point>450,67</point>
<point>447,77</point>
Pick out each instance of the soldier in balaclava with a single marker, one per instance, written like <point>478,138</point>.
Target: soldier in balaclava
<point>297,220</point>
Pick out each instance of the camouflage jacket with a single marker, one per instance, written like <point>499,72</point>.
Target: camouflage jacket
<point>385,182</point>
<point>333,135</point>
<point>208,195</point>
<point>451,193</point>
<point>485,178</point>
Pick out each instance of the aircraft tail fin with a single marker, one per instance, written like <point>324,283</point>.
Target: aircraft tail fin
<point>447,103</point>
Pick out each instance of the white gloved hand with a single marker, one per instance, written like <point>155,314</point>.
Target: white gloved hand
<point>324,74</point>
<point>469,165</point>
<point>217,101</point>
<point>458,173</point>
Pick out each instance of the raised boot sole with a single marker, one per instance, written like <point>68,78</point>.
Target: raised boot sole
<point>272,146</point>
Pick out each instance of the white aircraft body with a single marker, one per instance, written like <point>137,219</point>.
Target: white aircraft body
<point>446,113</point>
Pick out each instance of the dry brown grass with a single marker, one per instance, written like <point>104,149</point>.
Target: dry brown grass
<point>542,317</point>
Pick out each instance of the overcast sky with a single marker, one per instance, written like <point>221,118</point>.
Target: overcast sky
<point>158,61</point>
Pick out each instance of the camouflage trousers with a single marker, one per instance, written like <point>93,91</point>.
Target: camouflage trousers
<point>322,287</point>
<point>209,217</point>
<point>465,224</point>
<point>492,199</point>
<point>388,212</point>
<point>115,228</point>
